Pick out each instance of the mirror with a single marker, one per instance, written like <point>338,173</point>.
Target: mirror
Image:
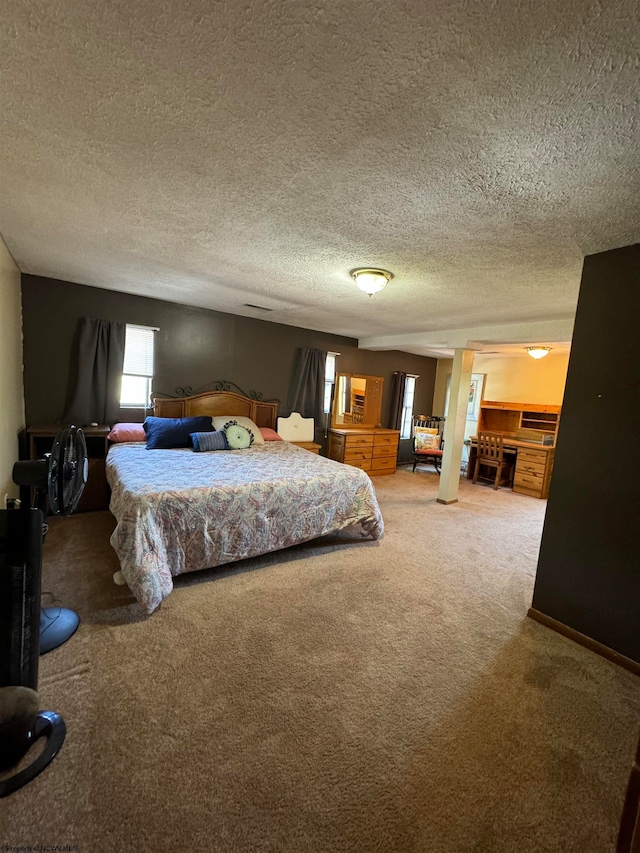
<point>357,401</point>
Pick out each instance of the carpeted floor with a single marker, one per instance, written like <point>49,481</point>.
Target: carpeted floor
<point>381,696</point>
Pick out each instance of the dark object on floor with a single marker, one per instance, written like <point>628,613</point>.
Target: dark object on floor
<point>629,835</point>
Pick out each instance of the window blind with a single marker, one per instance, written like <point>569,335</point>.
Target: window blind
<point>138,351</point>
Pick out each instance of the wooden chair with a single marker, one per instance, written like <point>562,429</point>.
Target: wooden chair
<point>490,453</point>
<point>427,440</point>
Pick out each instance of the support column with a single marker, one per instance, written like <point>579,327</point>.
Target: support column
<point>454,427</point>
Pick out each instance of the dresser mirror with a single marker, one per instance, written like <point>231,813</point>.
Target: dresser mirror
<point>357,402</point>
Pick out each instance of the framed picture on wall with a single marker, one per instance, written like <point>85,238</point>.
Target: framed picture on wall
<point>476,392</point>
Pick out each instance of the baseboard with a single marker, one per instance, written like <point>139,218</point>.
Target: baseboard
<point>583,640</point>
<point>446,503</point>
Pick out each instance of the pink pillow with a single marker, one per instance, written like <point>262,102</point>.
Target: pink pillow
<point>270,434</point>
<point>127,432</point>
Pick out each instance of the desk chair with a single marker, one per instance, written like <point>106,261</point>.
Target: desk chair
<point>491,454</point>
<point>427,440</point>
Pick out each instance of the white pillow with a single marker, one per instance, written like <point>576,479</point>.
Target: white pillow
<point>220,420</point>
<point>426,439</point>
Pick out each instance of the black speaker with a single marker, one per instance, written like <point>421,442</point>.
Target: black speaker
<point>20,573</point>
<point>21,724</point>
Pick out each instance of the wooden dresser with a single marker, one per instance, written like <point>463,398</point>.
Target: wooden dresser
<point>373,449</point>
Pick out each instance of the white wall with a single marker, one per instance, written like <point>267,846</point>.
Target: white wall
<point>11,385</point>
<point>522,379</point>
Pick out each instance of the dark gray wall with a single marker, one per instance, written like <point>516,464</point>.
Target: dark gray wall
<point>194,346</point>
<point>589,566</point>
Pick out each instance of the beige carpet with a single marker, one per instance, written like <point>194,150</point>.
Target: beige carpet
<point>386,696</point>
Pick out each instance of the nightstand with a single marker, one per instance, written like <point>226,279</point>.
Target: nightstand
<point>308,445</point>
<point>96,491</point>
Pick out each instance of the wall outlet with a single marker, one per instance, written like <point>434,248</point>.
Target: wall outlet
<point>11,503</point>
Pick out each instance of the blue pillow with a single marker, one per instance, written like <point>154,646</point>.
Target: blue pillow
<point>164,433</point>
<point>203,441</point>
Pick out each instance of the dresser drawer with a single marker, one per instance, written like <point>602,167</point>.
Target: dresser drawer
<point>385,441</point>
<point>358,441</point>
<point>524,466</point>
<point>533,493</point>
<point>365,464</point>
<point>380,462</point>
<point>352,454</point>
<point>530,455</point>
<point>533,482</point>
<point>385,450</point>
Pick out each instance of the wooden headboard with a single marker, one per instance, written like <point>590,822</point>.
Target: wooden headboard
<point>213,403</point>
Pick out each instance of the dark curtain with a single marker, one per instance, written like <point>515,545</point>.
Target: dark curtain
<point>97,362</point>
<point>398,383</point>
<point>306,392</point>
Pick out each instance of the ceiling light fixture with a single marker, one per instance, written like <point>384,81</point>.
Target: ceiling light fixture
<point>371,280</point>
<point>538,352</point>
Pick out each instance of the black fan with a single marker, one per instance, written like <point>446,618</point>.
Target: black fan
<point>60,476</point>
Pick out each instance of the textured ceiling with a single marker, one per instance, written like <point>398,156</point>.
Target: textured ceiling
<point>220,153</point>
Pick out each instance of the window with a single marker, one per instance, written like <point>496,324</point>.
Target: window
<point>329,379</point>
<point>137,373</point>
<point>407,406</point>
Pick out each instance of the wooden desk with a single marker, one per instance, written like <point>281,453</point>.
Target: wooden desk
<point>533,465</point>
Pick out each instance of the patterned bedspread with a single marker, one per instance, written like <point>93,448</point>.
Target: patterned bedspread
<point>178,511</point>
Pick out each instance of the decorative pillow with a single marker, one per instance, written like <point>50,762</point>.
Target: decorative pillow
<point>238,437</point>
<point>164,433</point>
<point>426,439</point>
<point>203,441</point>
<point>127,432</point>
<point>270,434</point>
<point>220,421</point>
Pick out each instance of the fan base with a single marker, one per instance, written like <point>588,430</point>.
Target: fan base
<point>50,725</point>
<point>57,624</point>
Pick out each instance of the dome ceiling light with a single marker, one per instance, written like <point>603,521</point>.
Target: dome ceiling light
<point>538,352</point>
<point>371,280</point>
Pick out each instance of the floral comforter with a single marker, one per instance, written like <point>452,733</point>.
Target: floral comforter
<point>178,511</point>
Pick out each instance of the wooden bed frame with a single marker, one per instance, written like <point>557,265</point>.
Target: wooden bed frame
<point>216,403</point>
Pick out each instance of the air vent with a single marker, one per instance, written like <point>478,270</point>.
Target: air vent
<point>257,307</point>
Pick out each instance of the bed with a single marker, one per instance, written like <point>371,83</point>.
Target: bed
<point>179,511</point>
